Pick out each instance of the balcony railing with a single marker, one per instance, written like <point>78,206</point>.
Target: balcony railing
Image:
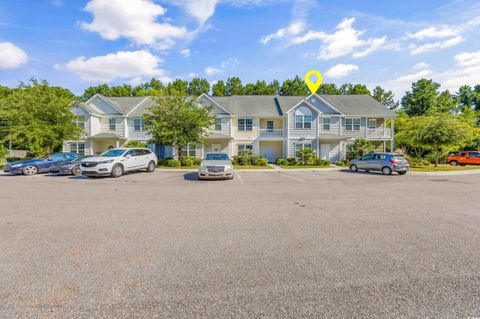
<point>379,133</point>
<point>106,128</point>
<point>274,132</point>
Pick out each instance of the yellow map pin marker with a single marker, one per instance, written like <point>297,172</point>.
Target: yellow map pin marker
<point>313,86</point>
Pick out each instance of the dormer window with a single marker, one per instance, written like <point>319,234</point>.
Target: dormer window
<point>303,118</point>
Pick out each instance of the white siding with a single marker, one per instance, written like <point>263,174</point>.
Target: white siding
<point>136,135</point>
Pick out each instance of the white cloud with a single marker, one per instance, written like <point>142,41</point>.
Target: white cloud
<point>122,65</point>
<point>229,63</point>
<point>420,66</point>
<point>435,46</point>
<point>185,53</point>
<point>135,20</point>
<point>434,32</point>
<point>11,56</point>
<point>192,75</point>
<point>201,10</point>
<point>294,28</point>
<point>212,70</point>
<point>341,70</point>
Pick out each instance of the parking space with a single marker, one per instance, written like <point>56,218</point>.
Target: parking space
<point>267,244</point>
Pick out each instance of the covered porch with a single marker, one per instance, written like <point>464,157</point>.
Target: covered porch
<point>104,141</point>
<point>217,143</point>
<point>271,150</point>
<point>331,147</point>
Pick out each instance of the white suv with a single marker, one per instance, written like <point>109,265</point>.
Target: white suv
<point>115,162</point>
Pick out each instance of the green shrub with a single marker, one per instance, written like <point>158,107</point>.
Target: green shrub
<point>341,163</point>
<point>135,144</point>
<point>186,161</point>
<point>291,161</point>
<point>254,160</point>
<point>262,161</point>
<point>359,148</point>
<point>281,161</point>
<point>240,160</point>
<point>172,163</point>
<point>3,151</point>
<point>321,162</point>
<point>441,159</point>
<point>307,156</point>
<point>196,161</point>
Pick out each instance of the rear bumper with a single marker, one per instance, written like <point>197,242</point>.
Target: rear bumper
<point>403,168</point>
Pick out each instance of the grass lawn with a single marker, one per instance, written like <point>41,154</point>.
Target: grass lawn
<point>443,168</point>
<point>252,167</point>
<point>303,166</point>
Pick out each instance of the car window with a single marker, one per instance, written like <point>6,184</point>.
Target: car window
<point>463,154</point>
<point>453,154</point>
<point>141,152</point>
<point>56,157</point>
<point>217,157</point>
<point>474,154</point>
<point>399,157</point>
<point>71,156</point>
<point>367,157</point>
<point>131,153</point>
<point>380,156</point>
<point>113,153</point>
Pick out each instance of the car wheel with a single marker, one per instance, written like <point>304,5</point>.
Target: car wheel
<point>151,167</point>
<point>386,170</point>
<point>454,163</point>
<point>30,170</point>
<point>353,168</point>
<point>76,171</point>
<point>117,170</point>
<point>402,173</point>
<point>231,177</point>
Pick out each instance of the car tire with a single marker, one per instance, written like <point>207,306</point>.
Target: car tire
<point>354,168</point>
<point>117,171</point>
<point>453,163</point>
<point>231,177</point>
<point>76,171</point>
<point>402,173</point>
<point>151,167</point>
<point>386,170</point>
<point>30,170</point>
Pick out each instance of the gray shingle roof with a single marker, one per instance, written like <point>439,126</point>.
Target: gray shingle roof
<point>253,105</point>
<point>364,105</point>
<point>125,104</point>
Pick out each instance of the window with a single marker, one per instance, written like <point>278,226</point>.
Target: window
<point>77,148</point>
<point>138,124</point>
<point>299,147</point>
<point>352,124</point>
<point>368,157</point>
<point>380,157</point>
<point>372,124</point>
<point>189,150</point>
<point>218,124</point>
<point>303,118</point>
<point>242,147</point>
<point>57,157</point>
<point>112,124</point>
<point>81,122</point>
<point>326,124</point>
<point>270,126</point>
<point>245,124</point>
<point>474,154</point>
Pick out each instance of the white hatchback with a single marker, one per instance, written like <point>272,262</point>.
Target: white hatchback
<point>115,162</point>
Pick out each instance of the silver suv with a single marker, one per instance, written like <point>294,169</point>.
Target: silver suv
<point>387,163</point>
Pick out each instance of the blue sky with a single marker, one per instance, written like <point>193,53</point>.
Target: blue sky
<point>78,43</point>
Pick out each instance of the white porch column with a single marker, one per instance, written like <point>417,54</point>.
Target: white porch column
<point>392,141</point>
<point>117,144</point>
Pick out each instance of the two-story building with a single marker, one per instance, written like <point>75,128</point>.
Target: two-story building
<point>271,126</point>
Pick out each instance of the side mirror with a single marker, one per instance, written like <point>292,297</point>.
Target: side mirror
<point>49,159</point>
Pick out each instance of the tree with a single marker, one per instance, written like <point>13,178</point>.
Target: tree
<point>135,144</point>
<point>234,86</point>
<point>359,148</point>
<point>307,156</point>
<point>3,151</point>
<point>219,88</point>
<point>37,117</point>
<point>295,87</point>
<point>440,132</point>
<point>177,120</point>
<point>250,89</point>
<point>275,86</point>
<point>153,88</point>
<point>262,88</point>
<point>4,91</point>
<point>384,97</point>
<point>476,97</point>
<point>103,89</point>
<point>198,86</point>
<point>425,99</point>
<point>465,96</point>
<point>354,89</point>
<point>329,89</point>
<point>177,87</point>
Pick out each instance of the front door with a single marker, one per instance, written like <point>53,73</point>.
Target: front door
<point>268,153</point>
<point>216,147</point>
<point>325,151</point>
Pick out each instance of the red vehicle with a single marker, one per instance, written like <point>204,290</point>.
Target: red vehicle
<point>463,158</point>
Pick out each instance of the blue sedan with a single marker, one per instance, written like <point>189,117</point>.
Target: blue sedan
<point>39,165</point>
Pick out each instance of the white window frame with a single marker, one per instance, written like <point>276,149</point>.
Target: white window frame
<point>303,146</point>
<point>325,124</point>
<point>350,127</point>
<point>140,125</point>
<point>81,123</point>
<point>75,148</point>
<point>242,147</point>
<point>270,129</point>
<point>244,126</point>
<point>189,150</point>
<point>112,122</point>
<point>374,126</point>
<point>218,126</point>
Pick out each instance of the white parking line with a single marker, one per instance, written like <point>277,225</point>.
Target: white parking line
<point>294,178</point>
<point>239,177</point>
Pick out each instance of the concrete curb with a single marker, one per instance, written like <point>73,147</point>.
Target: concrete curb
<point>447,173</point>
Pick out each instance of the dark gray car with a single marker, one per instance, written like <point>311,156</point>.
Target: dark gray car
<point>387,163</point>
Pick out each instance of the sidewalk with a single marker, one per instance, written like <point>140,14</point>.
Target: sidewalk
<point>275,169</point>
<point>446,173</point>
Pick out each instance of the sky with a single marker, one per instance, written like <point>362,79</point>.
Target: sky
<point>79,43</point>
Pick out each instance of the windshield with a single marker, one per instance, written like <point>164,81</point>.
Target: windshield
<point>216,157</point>
<point>113,153</point>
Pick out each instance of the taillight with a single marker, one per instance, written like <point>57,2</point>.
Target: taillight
<point>394,161</point>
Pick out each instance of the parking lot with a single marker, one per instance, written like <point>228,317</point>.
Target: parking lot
<point>330,244</point>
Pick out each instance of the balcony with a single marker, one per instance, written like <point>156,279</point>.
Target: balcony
<point>270,132</point>
<point>379,134</point>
